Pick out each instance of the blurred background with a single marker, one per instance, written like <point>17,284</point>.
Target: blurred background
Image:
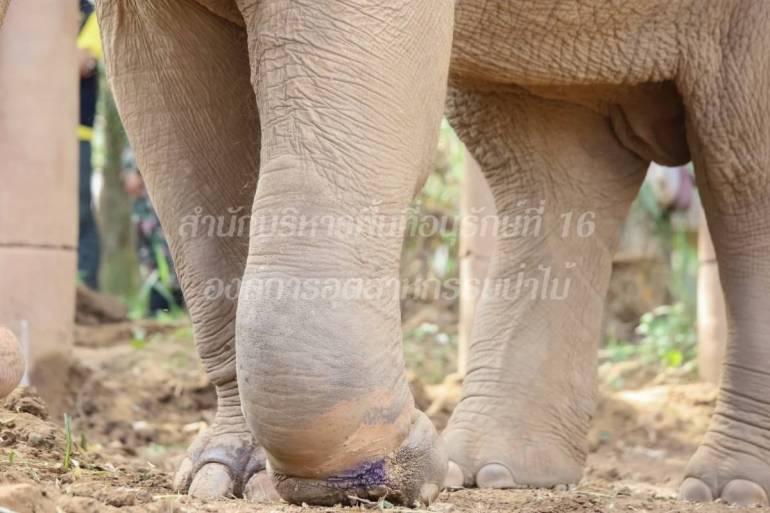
<point>651,312</point>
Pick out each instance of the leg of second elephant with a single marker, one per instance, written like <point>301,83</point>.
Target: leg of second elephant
<point>350,99</point>
<point>729,131</point>
<point>732,462</point>
<point>562,185</point>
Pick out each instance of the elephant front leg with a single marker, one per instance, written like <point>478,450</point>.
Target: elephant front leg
<point>191,120</point>
<point>733,460</point>
<point>350,99</point>
<point>729,130</point>
<point>562,186</point>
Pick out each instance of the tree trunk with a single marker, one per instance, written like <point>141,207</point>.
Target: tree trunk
<point>38,198</point>
<point>119,273</point>
<point>712,314</point>
<point>476,250</point>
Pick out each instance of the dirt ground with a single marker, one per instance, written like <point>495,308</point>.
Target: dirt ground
<point>136,401</point>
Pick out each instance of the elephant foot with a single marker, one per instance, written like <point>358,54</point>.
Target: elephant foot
<point>225,462</point>
<point>726,467</point>
<point>516,467</point>
<point>484,454</point>
<point>411,476</point>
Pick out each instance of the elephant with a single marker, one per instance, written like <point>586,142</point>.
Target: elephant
<point>302,110</point>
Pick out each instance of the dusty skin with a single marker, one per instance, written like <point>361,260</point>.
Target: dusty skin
<point>561,101</point>
<point>12,362</point>
<point>137,417</point>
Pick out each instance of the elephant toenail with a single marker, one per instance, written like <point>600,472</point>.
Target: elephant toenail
<point>428,493</point>
<point>454,476</point>
<point>744,493</point>
<point>212,481</point>
<point>495,475</point>
<point>183,476</point>
<point>260,488</point>
<point>695,490</point>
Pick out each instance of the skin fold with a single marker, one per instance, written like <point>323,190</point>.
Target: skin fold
<point>328,109</point>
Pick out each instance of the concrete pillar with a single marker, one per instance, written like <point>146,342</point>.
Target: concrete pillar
<point>476,250</point>
<point>712,313</point>
<point>38,195</point>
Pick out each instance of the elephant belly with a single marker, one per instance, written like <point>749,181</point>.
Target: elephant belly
<point>569,42</point>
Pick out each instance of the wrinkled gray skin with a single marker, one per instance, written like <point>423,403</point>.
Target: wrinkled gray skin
<point>329,108</point>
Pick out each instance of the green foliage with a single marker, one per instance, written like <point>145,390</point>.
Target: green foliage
<point>184,332</point>
<point>164,282</point>
<point>159,280</point>
<point>684,265</point>
<point>432,235</point>
<point>679,243</point>
<point>68,444</point>
<point>650,204</point>
<point>430,261</point>
<point>667,335</point>
<point>667,338</point>
<point>431,352</point>
<point>138,337</point>
<point>140,303</point>
<point>119,270</point>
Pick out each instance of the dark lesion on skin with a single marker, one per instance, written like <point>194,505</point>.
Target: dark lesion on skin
<point>365,475</point>
<point>367,481</point>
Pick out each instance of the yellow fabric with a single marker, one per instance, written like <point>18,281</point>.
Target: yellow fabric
<point>85,133</point>
<point>89,38</point>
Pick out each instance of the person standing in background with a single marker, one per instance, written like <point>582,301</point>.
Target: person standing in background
<point>156,265</point>
<point>89,53</point>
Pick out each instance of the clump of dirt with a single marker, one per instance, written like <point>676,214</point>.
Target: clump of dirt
<point>94,308</point>
<point>26,400</point>
<point>42,465</point>
<point>117,333</point>
<point>667,417</point>
<point>136,407</point>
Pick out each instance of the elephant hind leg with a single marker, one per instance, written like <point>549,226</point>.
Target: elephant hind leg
<point>180,76</point>
<point>530,389</point>
<point>729,131</point>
